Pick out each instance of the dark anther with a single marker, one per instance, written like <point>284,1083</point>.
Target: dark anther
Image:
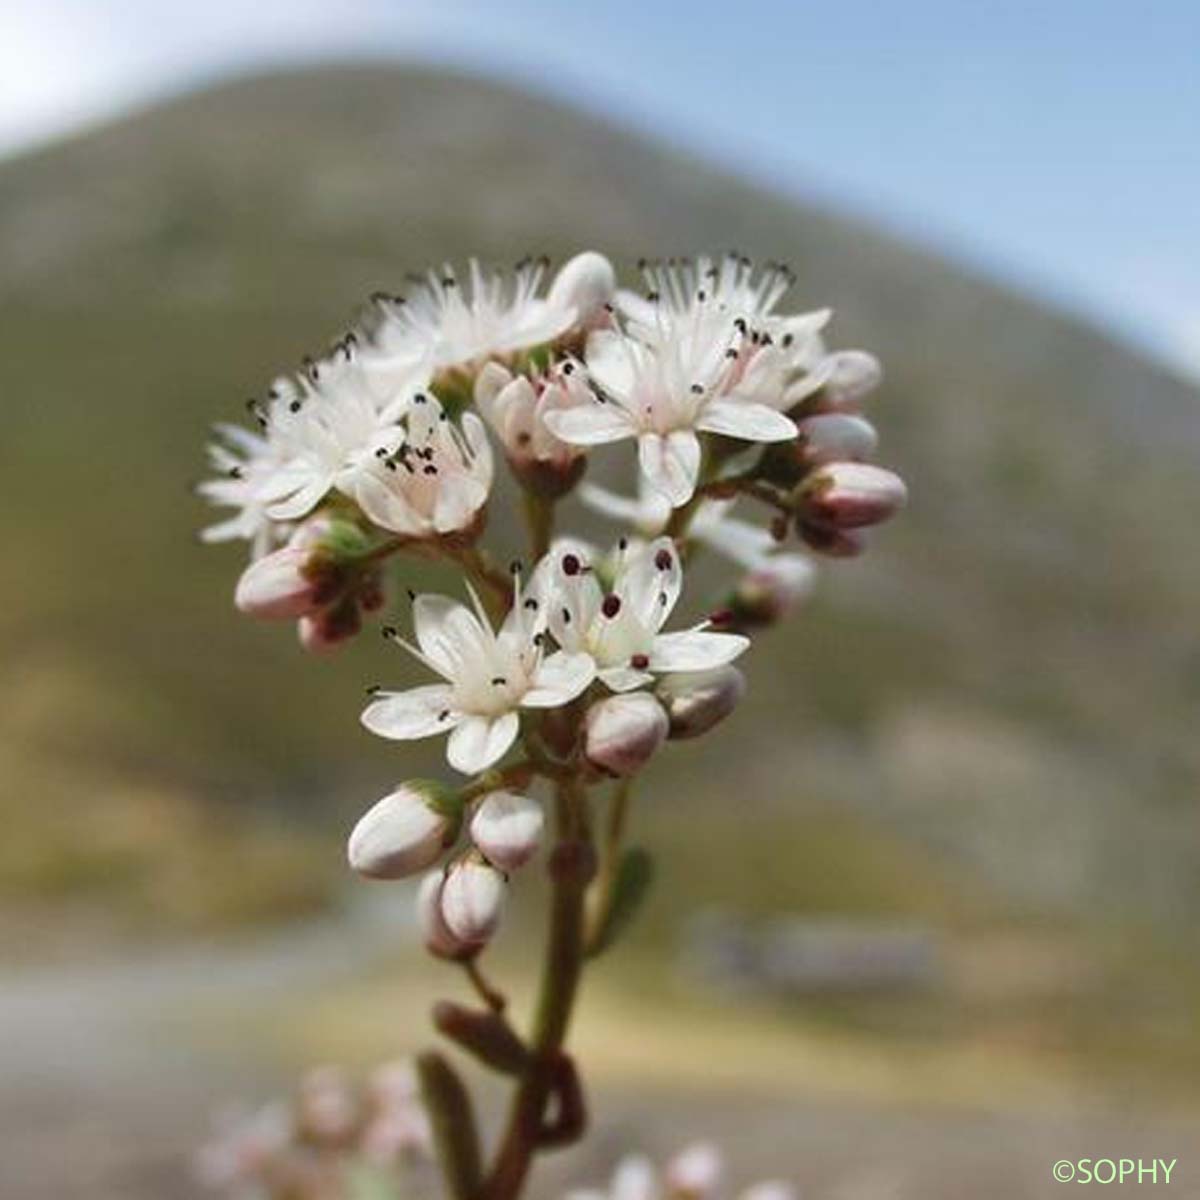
<point>373,688</point>
<point>514,567</point>
<point>697,389</point>
<point>740,325</point>
<point>571,565</point>
<point>653,297</point>
<point>411,594</point>
<point>566,616</point>
<point>731,353</point>
<point>531,604</point>
<point>787,340</point>
<point>663,560</point>
<point>568,368</point>
<point>420,398</point>
<point>430,469</point>
<point>444,715</point>
<point>498,681</point>
<point>611,605</point>
<point>623,544</point>
<point>389,632</point>
<point>701,295</point>
<point>639,662</point>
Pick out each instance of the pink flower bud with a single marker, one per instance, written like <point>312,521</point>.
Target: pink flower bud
<point>622,733</point>
<point>698,700</point>
<point>330,629</point>
<point>855,374</point>
<point>435,933</point>
<point>586,282</point>
<point>405,832</point>
<point>277,586</point>
<point>834,437</point>
<point>694,1173</point>
<point>507,829</point>
<point>472,899</point>
<point>848,495</point>
<point>770,592</point>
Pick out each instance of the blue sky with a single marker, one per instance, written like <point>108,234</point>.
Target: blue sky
<point>1054,144</point>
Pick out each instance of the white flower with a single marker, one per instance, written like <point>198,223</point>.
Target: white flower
<point>515,407</point>
<point>507,829</point>
<point>746,544</point>
<point>621,630</point>
<point>488,677</point>
<point>442,324</point>
<point>244,462</point>
<point>695,1172</point>
<point>328,427</point>
<point>433,480</point>
<point>775,359</point>
<point>665,392</point>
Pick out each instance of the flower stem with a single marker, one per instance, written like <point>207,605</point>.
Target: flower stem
<point>571,866</point>
<point>539,521</point>
<point>600,894</point>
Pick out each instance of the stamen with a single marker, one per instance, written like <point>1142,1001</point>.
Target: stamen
<point>611,605</point>
<point>639,662</point>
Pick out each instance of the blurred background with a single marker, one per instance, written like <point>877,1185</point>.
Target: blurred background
<point>926,908</point>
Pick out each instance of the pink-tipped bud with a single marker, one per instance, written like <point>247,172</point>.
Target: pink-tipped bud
<point>835,437</point>
<point>849,495</point>
<point>694,1173</point>
<point>622,733</point>
<point>586,283</point>
<point>772,590</point>
<point>435,933</point>
<point>507,829</point>
<point>278,586</point>
<point>834,543</point>
<point>472,900</point>
<point>405,832</point>
<point>856,374</point>
<point>698,700</point>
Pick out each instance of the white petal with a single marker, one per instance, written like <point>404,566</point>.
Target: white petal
<point>671,464</point>
<point>417,713</point>
<point>489,383</point>
<point>651,583</point>
<point>695,650</point>
<point>623,679</point>
<point>559,679</point>
<point>611,363</point>
<point>746,420</point>
<point>302,501</point>
<point>387,507</point>
<point>479,742</point>
<point>445,631</point>
<point>592,425</point>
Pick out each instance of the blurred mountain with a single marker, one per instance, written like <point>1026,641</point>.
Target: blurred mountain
<point>1007,684</point>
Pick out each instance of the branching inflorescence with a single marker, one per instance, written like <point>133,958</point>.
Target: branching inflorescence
<point>570,674</point>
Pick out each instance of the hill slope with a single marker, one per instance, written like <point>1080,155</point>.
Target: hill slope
<point>1012,675</point>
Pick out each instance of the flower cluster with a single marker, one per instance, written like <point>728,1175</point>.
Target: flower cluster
<point>575,671</point>
<point>312,1146</point>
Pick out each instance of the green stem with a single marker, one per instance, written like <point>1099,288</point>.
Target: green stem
<point>539,521</point>
<point>600,894</point>
<point>570,868</point>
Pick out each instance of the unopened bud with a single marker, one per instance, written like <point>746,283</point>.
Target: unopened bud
<point>835,437</point>
<point>694,1173</point>
<point>278,586</point>
<point>507,829</point>
<point>834,543</point>
<point>848,495</point>
<point>472,900</point>
<point>586,282</point>
<point>435,933</point>
<point>698,700</point>
<point>770,592</point>
<point>405,832</point>
<point>855,374</point>
<point>623,732</point>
